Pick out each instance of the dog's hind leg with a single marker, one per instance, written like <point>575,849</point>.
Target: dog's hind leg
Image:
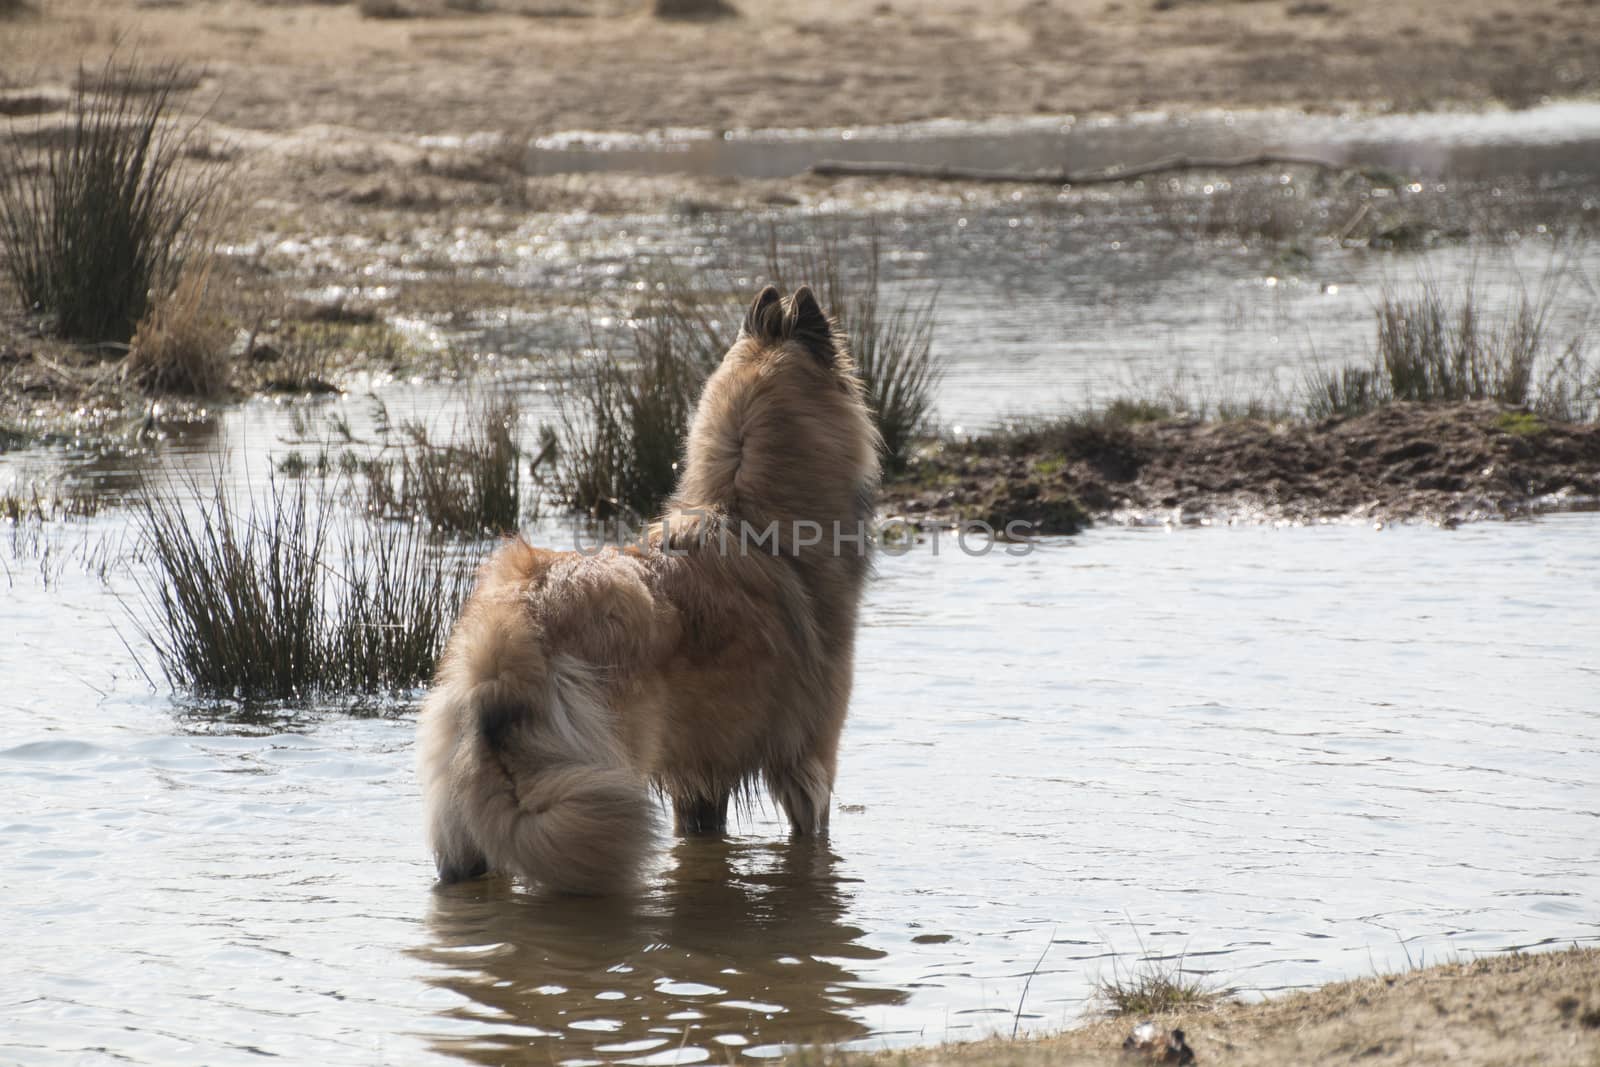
<point>444,765</point>
<point>456,856</point>
<point>696,814</point>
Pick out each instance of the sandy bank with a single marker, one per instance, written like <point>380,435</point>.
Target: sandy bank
<point>1537,1009</point>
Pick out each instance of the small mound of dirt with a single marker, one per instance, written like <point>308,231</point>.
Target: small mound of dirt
<point>16,103</point>
<point>1443,463</point>
<point>693,9</point>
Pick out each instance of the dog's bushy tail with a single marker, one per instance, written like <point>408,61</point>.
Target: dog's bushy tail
<point>522,768</point>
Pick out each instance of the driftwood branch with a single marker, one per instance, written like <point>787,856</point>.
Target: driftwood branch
<point>844,169</point>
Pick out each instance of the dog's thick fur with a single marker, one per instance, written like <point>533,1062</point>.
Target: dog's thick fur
<point>700,665</point>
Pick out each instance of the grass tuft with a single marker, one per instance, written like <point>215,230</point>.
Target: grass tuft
<point>181,346</point>
<point>622,426</point>
<point>18,506</point>
<point>1157,987</point>
<point>1350,390</point>
<point>1436,348</point>
<point>692,9</point>
<point>1520,424</point>
<point>470,487</point>
<point>284,600</point>
<point>108,219</point>
<point>1132,411</point>
<point>1088,432</point>
<point>384,9</point>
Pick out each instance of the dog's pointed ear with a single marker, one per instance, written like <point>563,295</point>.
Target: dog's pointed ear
<point>806,323</point>
<point>764,320</point>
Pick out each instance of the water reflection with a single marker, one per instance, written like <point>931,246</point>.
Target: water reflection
<point>739,944</point>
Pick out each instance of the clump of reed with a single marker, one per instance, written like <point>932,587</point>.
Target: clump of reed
<point>622,425</point>
<point>31,504</point>
<point>384,9</point>
<point>303,351</point>
<point>693,10</point>
<point>287,596</point>
<point>1434,347</point>
<point>108,218</point>
<point>468,487</point>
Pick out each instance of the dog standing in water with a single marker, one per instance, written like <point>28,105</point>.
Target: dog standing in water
<point>717,655</point>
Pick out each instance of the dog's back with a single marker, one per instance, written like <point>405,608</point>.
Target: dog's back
<point>721,657</point>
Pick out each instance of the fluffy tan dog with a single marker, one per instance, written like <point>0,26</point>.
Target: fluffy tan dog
<point>717,655</point>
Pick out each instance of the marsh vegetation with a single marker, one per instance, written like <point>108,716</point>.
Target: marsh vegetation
<point>626,412</point>
<point>288,595</point>
<point>107,220</point>
<point>1438,346</point>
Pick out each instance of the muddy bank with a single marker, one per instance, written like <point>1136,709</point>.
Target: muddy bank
<point>52,390</point>
<point>1436,463</point>
<point>1541,1008</point>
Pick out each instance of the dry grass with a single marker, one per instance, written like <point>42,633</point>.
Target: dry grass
<point>181,345</point>
<point>1157,986</point>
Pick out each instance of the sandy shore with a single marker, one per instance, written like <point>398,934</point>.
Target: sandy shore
<point>325,110</point>
<point>1535,1009</point>
<point>590,65</point>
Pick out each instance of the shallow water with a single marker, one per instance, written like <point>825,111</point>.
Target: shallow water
<point>1551,139</point>
<point>1047,300</point>
<point>1291,755</point>
<point>1039,306</point>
